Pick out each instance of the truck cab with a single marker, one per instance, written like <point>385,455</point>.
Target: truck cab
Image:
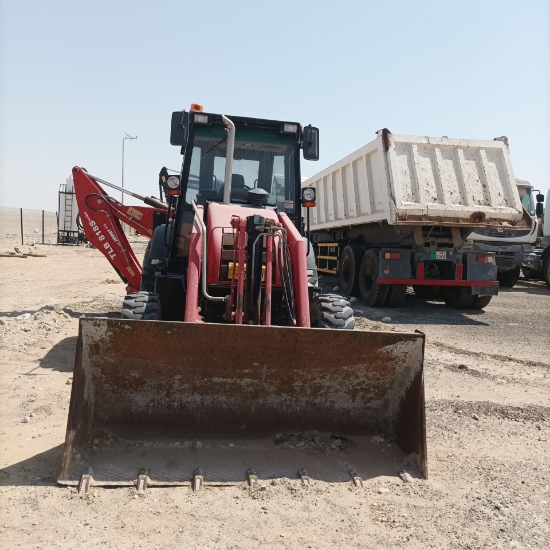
<point>514,249</point>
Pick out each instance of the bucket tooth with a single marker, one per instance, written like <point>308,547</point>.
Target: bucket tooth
<point>357,481</point>
<point>304,476</point>
<point>252,477</point>
<point>142,480</point>
<point>198,480</point>
<point>85,481</point>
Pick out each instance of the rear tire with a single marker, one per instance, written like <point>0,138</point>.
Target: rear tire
<point>331,311</point>
<point>348,269</point>
<point>372,293</point>
<point>480,302</point>
<point>546,271</point>
<point>147,271</point>
<point>508,278</point>
<point>396,295</point>
<point>427,292</point>
<point>459,297</point>
<point>143,306</point>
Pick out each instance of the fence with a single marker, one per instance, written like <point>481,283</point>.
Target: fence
<point>22,226</point>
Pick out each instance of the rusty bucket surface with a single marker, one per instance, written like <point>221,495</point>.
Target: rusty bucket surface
<point>170,399</point>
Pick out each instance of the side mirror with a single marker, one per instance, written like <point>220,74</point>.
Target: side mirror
<point>310,143</point>
<point>539,209</point>
<point>540,197</point>
<point>178,128</point>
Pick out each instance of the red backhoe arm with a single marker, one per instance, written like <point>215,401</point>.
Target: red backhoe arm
<point>101,216</point>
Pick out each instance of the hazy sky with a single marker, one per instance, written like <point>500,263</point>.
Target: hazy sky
<point>76,75</point>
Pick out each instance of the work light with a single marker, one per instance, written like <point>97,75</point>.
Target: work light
<point>173,182</point>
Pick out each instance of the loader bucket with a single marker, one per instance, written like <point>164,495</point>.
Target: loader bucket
<point>170,403</point>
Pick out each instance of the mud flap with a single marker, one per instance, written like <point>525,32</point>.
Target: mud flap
<point>170,398</point>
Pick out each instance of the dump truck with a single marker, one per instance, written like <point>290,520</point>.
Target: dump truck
<point>398,212</point>
<point>513,249</point>
<point>539,265</point>
<point>228,365</point>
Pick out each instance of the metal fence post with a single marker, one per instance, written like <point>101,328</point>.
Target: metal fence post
<point>42,226</point>
<point>22,239</point>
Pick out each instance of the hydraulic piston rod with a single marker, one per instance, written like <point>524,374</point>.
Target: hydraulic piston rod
<point>151,201</point>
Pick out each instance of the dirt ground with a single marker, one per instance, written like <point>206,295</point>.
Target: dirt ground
<point>488,419</point>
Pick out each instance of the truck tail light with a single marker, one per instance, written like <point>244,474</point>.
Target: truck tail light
<point>485,259</point>
<point>392,255</point>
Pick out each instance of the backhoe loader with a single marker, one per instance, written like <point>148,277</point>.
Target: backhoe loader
<point>228,364</point>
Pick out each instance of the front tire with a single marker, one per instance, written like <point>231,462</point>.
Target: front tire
<point>372,293</point>
<point>546,271</point>
<point>331,311</point>
<point>509,278</point>
<point>143,306</point>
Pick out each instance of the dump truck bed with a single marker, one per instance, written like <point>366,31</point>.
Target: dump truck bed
<point>404,180</point>
<point>279,400</point>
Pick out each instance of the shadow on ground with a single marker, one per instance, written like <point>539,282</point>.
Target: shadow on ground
<point>528,285</point>
<point>39,470</point>
<point>413,311</point>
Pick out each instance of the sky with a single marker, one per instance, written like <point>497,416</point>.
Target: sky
<point>76,75</point>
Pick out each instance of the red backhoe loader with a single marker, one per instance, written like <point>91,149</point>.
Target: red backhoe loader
<point>225,365</point>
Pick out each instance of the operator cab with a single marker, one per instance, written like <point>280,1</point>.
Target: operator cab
<point>266,161</point>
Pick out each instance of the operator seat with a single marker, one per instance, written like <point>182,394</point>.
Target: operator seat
<point>239,191</point>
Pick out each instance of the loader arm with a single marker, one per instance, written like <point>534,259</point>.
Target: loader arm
<point>102,217</point>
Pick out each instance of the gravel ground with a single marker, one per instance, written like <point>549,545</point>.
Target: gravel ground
<point>488,419</point>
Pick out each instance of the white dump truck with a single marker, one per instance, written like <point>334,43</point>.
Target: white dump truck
<point>398,212</point>
<point>541,263</point>
<point>514,250</point>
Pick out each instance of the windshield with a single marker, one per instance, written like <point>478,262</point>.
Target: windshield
<point>262,158</point>
<point>527,199</point>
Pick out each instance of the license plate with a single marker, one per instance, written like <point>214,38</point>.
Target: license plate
<point>438,255</point>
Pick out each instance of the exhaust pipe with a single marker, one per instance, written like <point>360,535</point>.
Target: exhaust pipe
<point>228,159</point>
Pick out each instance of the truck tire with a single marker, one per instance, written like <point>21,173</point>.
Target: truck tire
<point>459,297</point>
<point>144,306</point>
<point>331,311</point>
<point>546,270</point>
<point>147,271</point>
<point>372,293</point>
<point>428,292</point>
<point>508,278</point>
<point>348,269</point>
<point>396,295</point>
<point>480,302</point>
